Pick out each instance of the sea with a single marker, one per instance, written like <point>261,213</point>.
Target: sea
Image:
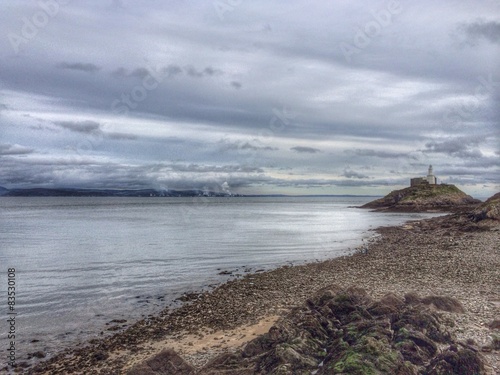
<point>82,262</point>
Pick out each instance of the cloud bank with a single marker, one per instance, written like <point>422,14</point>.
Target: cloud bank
<point>253,97</point>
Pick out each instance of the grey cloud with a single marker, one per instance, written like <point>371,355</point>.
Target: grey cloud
<point>83,67</point>
<point>52,172</point>
<point>248,146</point>
<point>14,149</point>
<point>140,73</point>
<point>244,146</point>
<point>177,176</point>
<point>216,169</point>
<point>461,147</point>
<point>172,70</point>
<point>169,71</point>
<point>211,71</point>
<point>450,170</point>
<point>86,127</point>
<point>40,127</point>
<point>338,182</point>
<point>120,136</point>
<point>478,164</point>
<point>383,154</point>
<point>208,71</point>
<point>307,150</point>
<point>236,85</point>
<point>349,173</point>
<point>119,73</point>
<point>191,71</point>
<point>481,30</point>
<point>472,180</point>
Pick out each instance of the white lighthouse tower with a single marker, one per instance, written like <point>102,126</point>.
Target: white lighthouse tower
<point>431,179</point>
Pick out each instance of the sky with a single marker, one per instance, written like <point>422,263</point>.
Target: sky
<point>250,97</point>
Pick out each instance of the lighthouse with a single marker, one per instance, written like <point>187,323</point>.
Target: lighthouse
<point>431,179</point>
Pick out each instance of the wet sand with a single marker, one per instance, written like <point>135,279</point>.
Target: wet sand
<point>446,256</point>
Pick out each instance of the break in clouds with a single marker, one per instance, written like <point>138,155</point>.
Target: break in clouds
<point>250,97</point>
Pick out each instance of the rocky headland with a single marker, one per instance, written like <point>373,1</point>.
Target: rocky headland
<point>425,197</point>
<point>422,298</point>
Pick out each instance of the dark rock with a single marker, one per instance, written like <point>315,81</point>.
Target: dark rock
<point>114,328</point>
<point>23,365</point>
<point>462,362</point>
<point>390,303</point>
<point>38,354</point>
<point>495,324</point>
<point>186,297</point>
<point>412,298</point>
<point>100,356</point>
<point>118,321</point>
<point>167,362</point>
<point>444,303</point>
<point>229,364</point>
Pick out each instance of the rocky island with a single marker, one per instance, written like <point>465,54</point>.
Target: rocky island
<point>425,194</point>
<point>424,197</point>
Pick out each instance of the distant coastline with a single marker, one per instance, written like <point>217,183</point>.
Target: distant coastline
<point>77,192</point>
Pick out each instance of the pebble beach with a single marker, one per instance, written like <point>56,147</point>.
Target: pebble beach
<point>444,256</point>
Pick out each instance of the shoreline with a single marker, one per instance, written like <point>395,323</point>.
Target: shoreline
<point>438,259</point>
<point>461,209</point>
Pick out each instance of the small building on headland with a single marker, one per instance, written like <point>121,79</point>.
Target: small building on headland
<point>429,179</point>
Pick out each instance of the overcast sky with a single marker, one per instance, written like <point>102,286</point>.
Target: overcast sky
<point>295,97</point>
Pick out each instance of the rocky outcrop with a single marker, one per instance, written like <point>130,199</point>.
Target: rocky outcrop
<point>165,363</point>
<point>424,197</point>
<point>347,332</point>
<point>487,210</point>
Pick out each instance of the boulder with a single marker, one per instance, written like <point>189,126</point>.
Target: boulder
<point>167,362</point>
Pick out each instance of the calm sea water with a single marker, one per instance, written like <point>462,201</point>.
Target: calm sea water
<point>81,262</point>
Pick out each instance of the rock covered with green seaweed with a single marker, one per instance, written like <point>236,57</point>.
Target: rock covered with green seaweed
<point>346,332</point>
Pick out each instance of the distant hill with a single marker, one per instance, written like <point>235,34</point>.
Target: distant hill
<point>73,192</point>
<point>76,192</point>
<point>487,210</point>
<point>424,197</point>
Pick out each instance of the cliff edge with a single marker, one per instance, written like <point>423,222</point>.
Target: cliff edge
<point>423,198</point>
